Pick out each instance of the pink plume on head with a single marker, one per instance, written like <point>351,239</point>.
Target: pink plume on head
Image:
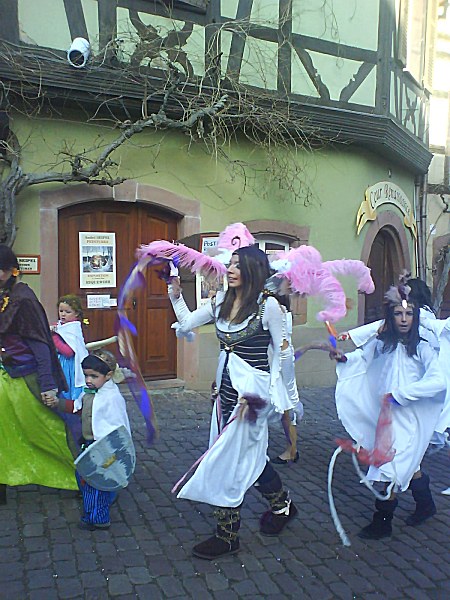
<point>187,257</point>
<point>308,275</point>
<point>235,236</point>
<point>307,254</point>
<point>355,268</point>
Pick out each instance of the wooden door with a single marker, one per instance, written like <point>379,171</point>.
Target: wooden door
<point>149,310</point>
<point>383,261</point>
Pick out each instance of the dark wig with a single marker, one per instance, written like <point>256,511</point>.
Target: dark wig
<point>420,293</point>
<point>391,337</point>
<point>255,269</point>
<point>8,260</point>
<point>94,362</point>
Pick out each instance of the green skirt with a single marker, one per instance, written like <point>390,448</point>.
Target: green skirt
<point>33,443</point>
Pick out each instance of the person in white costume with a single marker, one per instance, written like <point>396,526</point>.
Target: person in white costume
<point>102,409</point>
<point>256,368</point>
<point>398,364</point>
<point>437,333</point>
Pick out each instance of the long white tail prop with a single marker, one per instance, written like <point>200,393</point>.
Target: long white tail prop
<point>334,515</point>
<point>368,484</point>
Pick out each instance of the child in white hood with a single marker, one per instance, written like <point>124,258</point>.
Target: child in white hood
<point>102,409</point>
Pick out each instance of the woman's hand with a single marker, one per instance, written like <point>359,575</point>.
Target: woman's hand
<point>50,398</point>
<point>175,287</point>
<point>337,355</point>
<point>343,337</point>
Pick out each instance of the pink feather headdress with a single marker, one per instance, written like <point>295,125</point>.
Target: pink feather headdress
<point>300,270</point>
<point>308,275</point>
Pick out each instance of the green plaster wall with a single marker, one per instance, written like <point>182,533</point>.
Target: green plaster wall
<point>335,178</point>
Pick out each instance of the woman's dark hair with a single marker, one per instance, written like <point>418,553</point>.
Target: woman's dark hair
<point>255,269</point>
<point>97,364</point>
<point>8,260</point>
<point>74,302</point>
<point>391,337</point>
<point>420,293</point>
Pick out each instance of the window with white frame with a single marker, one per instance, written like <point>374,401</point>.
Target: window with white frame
<point>271,245</point>
<point>416,35</point>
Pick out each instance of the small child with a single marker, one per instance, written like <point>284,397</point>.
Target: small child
<point>69,342</point>
<point>102,409</point>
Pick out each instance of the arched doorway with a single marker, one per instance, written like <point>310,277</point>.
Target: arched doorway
<point>384,264</point>
<point>386,252</point>
<point>150,309</point>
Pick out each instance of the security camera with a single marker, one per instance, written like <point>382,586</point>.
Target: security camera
<point>78,53</point>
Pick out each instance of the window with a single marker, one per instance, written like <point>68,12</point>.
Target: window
<point>416,35</point>
<point>271,245</point>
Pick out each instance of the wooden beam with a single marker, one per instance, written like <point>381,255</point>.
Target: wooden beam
<point>75,19</point>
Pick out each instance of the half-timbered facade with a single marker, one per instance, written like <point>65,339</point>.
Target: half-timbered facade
<point>328,105</point>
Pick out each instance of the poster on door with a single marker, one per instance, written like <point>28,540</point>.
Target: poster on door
<point>206,287</point>
<point>97,259</point>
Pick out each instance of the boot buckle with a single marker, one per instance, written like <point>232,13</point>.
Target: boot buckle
<point>285,510</point>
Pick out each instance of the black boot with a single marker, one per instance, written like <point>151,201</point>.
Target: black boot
<point>381,525</point>
<point>226,540</point>
<point>425,506</point>
<point>2,493</point>
<point>282,509</point>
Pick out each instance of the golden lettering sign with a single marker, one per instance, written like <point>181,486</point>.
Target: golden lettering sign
<point>385,192</point>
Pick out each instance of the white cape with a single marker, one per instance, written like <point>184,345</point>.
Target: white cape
<point>109,410</point>
<point>415,382</point>
<point>72,334</point>
<point>437,333</point>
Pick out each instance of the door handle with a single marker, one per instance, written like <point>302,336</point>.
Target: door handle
<point>134,303</point>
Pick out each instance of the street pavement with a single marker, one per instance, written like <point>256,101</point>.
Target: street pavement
<point>147,552</point>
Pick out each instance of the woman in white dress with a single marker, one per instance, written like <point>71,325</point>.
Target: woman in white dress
<point>399,365</point>
<point>256,378</point>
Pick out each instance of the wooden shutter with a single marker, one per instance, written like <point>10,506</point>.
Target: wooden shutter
<point>430,43</point>
<point>402,32</point>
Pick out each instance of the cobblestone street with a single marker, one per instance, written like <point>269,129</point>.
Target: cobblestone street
<point>147,551</point>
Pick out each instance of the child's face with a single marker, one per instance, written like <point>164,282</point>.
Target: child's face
<point>66,313</point>
<point>94,379</point>
<point>403,318</point>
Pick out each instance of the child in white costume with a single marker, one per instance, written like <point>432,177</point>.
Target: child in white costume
<point>103,409</point>
<point>68,338</point>
<point>399,365</point>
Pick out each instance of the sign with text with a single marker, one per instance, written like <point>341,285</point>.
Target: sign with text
<point>98,301</point>
<point>385,192</point>
<point>29,264</point>
<point>208,286</point>
<point>97,259</point>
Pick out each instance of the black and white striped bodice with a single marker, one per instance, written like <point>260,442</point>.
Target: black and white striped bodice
<point>251,345</point>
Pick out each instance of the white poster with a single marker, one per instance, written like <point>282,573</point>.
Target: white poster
<point>206,287</point>
<point>97,259</point>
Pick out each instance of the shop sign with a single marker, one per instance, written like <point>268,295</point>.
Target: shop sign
<point>385,192</point>
<point>29,264</point>
<point>97,259</point>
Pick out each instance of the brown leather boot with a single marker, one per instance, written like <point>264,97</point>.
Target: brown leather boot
<point>226,539</point>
